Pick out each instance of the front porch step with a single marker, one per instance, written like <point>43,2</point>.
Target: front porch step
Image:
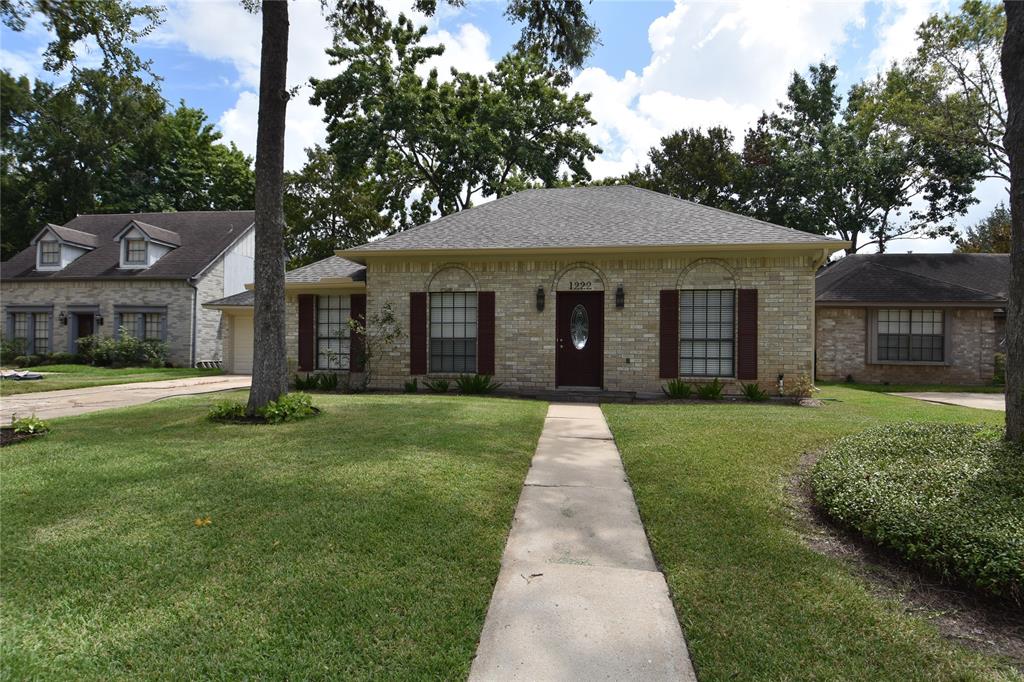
<point>580,396</point>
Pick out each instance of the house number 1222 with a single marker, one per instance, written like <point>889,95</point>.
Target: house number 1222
<point>580,286</point>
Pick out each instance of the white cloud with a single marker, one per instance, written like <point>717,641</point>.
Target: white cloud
<point>21,63</point>
<point>711,64</point>
<point>221,30</point>
<point>896,32</point>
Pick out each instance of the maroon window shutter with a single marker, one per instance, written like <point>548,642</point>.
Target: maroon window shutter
<point>357,311</point>
<point>307,332</point>
<point>417,332</point>
<point>669,327</point>
<point>485,333</point>
<point>746,334</point>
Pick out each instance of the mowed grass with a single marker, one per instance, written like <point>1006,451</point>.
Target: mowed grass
<point>362,543</point>
<point>755,602</point>
<point>62,377</point>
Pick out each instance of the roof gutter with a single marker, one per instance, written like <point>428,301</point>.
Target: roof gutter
<point>359,255</point>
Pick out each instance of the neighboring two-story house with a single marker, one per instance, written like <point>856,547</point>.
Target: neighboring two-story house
<point>145,273</point>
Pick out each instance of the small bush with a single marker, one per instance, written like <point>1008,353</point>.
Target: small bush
<point>10,350</point>
<point>63,359</point>
<point>125,351</point>
<point>288,408</point>
<point>317,382</point>
<point>476,384</point>
<point>947,496</point>
<point>753,392</point>
<point>412,386</point>
<point>801,387</point>
<point>28,360</point>
<point>677,389</point>
<point>712,391</point>
<point>226,410</point>
<point>30,425</point>
<point>999,374</point>
<point>436,385</point>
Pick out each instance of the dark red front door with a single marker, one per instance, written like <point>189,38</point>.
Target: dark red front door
<point>579,338</point>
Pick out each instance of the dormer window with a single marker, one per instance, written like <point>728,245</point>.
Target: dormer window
<point>135,251</point>
<point>57,247</point>
<point>142,245</point>
<point>49,252</point>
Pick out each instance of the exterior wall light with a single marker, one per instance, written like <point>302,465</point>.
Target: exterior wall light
<point>540,299</point>
<point>63,318</point>
<point>620,297</point>
<point>99,320</point>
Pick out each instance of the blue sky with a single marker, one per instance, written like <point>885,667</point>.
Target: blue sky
<point>660,66</point>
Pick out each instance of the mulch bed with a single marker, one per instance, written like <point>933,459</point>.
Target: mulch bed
<point>975,620</point>
<point>9,437</point>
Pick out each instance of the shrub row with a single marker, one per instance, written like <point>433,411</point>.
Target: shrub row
<point>947,496</point>
<point>103,351</point>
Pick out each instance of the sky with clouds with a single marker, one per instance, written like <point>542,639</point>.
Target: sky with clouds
<point>661,66</point>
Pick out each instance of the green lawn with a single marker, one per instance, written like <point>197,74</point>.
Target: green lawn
<point>914,388</point>
<point>363,543</point>
<point>756,603</point>
<point>61,377</point>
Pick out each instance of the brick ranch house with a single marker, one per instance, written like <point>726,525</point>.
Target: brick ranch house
<point>912,318</point>
<point>613,288</point>
<point>145,272</point>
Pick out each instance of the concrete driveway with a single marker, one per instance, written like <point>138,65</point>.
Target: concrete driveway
<point>50,404</point>
<point>981,401</point>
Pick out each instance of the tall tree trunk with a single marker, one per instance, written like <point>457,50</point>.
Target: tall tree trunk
<point>269,366</point>
<point>1013,141</point>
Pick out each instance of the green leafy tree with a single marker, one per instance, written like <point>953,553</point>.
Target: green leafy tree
<point>950,92</point>
<point>106,143</point>
<point>325,211</point>
<point>825,166</point>
<point>113,26</point>
<point>695,165</point>
<point>991,235</point>
<point>447,142</point>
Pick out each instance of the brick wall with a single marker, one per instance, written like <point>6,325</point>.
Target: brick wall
<point>525,338</point>
<point>210,326</point>
<point>841,345</point>
<point>175,295</point>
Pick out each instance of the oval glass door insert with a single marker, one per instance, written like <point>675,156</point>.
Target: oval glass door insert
<point>579,327</point>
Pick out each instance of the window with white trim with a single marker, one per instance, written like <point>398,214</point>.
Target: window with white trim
<point>453,326</point>
<point>135,251</point>
<point>904,335</point>
<point>333,334</point>
<point>707,332</point>
<point>49,252</point>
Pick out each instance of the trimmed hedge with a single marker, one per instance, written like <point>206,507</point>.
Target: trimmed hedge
<point>947,496</point>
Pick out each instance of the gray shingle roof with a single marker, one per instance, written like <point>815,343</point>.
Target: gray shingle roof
<point>203,234</point>
<point>242,299</point>
<point>332,267</point>
<point>158,233</point>
<point>916,278</point>
<point>70,236</point>
<point>589,217</point>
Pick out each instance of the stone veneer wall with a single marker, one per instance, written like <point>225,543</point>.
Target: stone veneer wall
<point>175,295</point>
<point>842,349</point>
<point>525,338</point>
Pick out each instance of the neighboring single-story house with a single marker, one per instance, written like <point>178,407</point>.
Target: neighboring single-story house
<point>147,273</point>
<point>613,288</point>
<point>911,318</point>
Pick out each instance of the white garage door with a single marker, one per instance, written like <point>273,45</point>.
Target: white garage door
<point>241,350</point>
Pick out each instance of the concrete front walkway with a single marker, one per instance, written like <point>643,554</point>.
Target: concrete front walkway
<point>50,404</point>
<point>579,595</point>
<point>981,401</point>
